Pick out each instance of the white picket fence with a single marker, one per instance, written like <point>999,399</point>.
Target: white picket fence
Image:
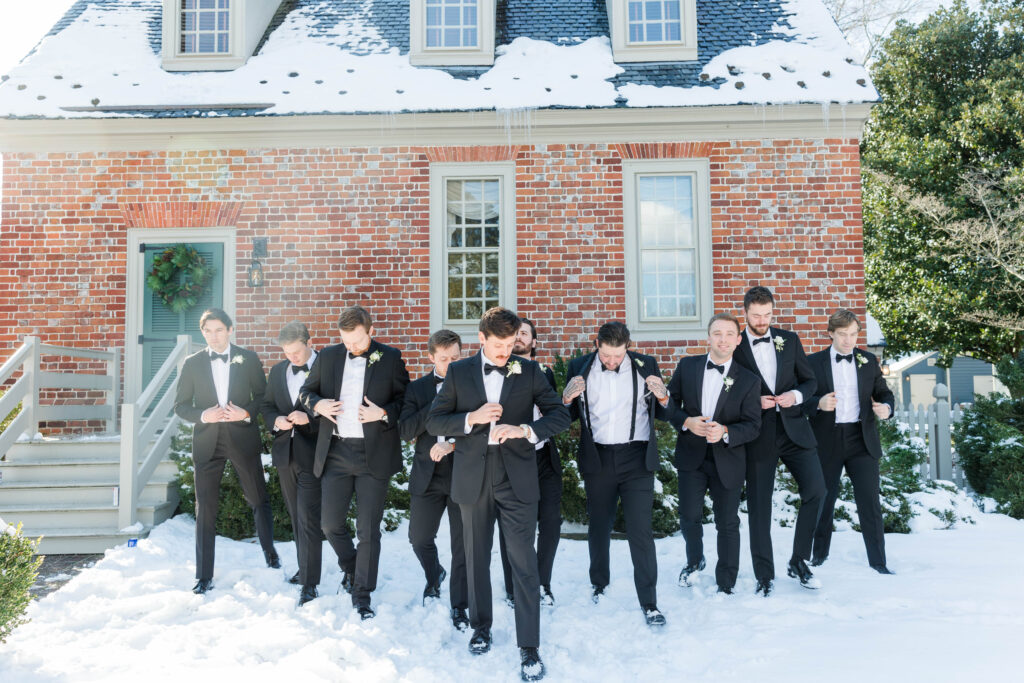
<point>933,423</point>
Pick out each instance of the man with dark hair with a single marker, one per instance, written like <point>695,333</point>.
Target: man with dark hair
<point>851,398</point>
<point>616,394</point>
<point>549,471</point>
<point>219,390</point>
<point>292,451</point>
<point>486,402</point>
<point>778,358</point>
<point>720,415</point>
<point>357,387</point>
<point>430,481</point>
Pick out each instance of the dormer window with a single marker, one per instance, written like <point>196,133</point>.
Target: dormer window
<point>213,35</point>
<point>653,30</point>
<point>451,32</point>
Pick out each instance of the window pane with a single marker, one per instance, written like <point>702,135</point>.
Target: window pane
<point>206,42</point>
<point>472,212</point>
<point>474,263</point>
<point>433,37</point>
<point>653,9</point>
<point>474,287</point>
<point>654,21</point>
<point>455,310</point>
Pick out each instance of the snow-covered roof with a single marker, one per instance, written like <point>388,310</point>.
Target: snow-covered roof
<point>352,56</point>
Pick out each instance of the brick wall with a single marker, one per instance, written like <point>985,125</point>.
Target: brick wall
<point>352,225</point>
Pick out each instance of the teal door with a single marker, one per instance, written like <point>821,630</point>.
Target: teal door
<point>161,325</point>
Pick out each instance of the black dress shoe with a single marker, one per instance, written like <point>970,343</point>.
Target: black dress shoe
<point>764,587</point>
<point>295,579</point>
<point>688,570</point>
<point>882,569</point>
<point>818,560</point>
<point>366,612</point>
<point>725,589</point>
<point>653,615</point>
<point>202,586</point>
<point>798,569</point>
<point>433,590</point>
<point>460,620</point>
<point>546,598</point>
<point>596,592</point>
<point>480,642</point>
<point>530,666</point>
<point>272,558</point>
<point>307,594</point>
<point>346,581</point>
<point>510,600</point>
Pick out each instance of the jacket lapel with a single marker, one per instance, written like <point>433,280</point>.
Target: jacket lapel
<point>863,384</point>
<point>477,367</point>
<point>724,394</point>
<point>206,369</point>
<point>339,370</point>
<point>281,387</point>
<point>830,380</point>
<point>585,398</point>
<point>231,370</point>
<point>506,384</point>
<point>702,367</point>
<point>369,365</point>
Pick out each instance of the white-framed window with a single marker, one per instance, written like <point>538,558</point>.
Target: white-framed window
<point>451,32</point>
<point>667,224</point>
<point>472,242</point>
<point>212,35</point>
<point>653,30</point>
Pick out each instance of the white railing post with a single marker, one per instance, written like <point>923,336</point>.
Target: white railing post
<point>114,395</point>
<point>943,463</point>
<point>31,372</point>
<point>127,494</point>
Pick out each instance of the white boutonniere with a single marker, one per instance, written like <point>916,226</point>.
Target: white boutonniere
<point>514,368</point>
<point>861,360</point>
<point>238,359</point>
<point>639,363</point>
<point>374,357</point>
<point>727,383</point>
<point>780,343</point>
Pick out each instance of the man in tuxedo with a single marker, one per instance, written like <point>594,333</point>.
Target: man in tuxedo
<point>430,481</point>
<point>357,387</point>
<point>549,473</point>
<point>616,394</point>
<point>294,435</point>
<point>778,358</point>
<point>219,390</point>
<point>850,399</point>
<point>486,403</point>
<point>719,418</point>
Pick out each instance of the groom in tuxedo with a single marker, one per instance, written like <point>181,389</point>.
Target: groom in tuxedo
<point>357,388</point>
<point>486,403</point>
<point>219,390</point>
<point>719,417</point>
<point>778,358</point>
<point>294,434</point>
<point>851,398</point>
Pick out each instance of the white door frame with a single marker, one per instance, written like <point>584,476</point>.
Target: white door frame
<point>136,288</point>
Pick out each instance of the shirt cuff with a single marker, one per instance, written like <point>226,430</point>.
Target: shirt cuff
<point>531,435</point>
<point>725,437</point>
<point>468,428</point>
<point>799,396</point>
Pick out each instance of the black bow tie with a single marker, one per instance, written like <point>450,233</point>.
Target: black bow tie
<point>356,355</point>
<point>296,369</point>
<point>488,369</point>
<point>438,380</point>
<point>848,357</point>
<point>605,368</point>
<point>712,366</point>
<point>765,339</point>
<point>219,356</point>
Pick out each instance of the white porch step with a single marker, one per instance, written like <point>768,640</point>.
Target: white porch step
<point>84,470</point>
<point>38,519</point>
<point>74,541</point>
<point>77,493</point>
<point>100,447</point>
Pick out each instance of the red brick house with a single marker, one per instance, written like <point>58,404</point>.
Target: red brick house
<point>577,160</point>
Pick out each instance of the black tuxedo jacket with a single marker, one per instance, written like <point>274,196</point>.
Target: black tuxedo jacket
<point>412,426</point>
<point>463,392</point>
<point>277,402</point>
<point>196,392</point>
<point>739,409</point>
<point>870,385</point>
<point>641,365</point>
<point>793,372</point>
<point>383,383</point>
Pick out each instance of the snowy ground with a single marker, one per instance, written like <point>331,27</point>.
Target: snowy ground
<point>955,611</point>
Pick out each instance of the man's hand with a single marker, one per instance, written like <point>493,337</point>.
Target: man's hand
<point>881,410</point>
<point>370,411</point>
<point>786,400</point>
<point>657,387</point>
<point>439,450</point>
<point>282,423</point>
<point>767,402</point>
<point>298,417</point>
<point>233,413</point>
<point>329,409</point>
<point>697,425</point>
<point>573,389</point>
<point>485,414</point>
<point>827,402</point>
<point>715,432</point>
<point>214,414</point>
<point>501,433</point>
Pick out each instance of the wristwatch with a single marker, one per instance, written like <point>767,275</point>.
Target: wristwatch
<point>384,418</point>
<point>526,431</point>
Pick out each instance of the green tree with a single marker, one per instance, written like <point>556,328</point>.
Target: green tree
<point>952,109</point>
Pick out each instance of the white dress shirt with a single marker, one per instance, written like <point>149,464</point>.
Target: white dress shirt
<point>351,395</point>
<point>711,390</point>
<point>610,394</point>
<point>437,390</point>
<point>221,376</point>
<point>844,379</point>
<point>767,362</point>
<point>295,379</point>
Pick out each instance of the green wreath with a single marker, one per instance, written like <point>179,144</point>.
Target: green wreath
<point>179,276</point>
